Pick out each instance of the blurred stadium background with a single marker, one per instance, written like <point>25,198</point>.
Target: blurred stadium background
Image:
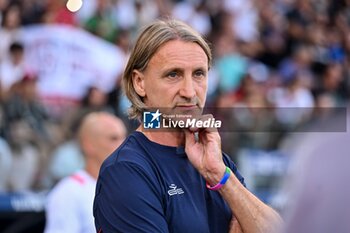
<point>56,65</point>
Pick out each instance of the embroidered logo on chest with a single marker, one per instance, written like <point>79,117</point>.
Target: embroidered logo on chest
<point>174,190</point>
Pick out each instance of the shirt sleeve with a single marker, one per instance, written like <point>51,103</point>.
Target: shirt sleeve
<point>128,200</point>
<point>62,211</point>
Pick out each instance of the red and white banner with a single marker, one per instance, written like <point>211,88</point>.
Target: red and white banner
<point>69,60</point>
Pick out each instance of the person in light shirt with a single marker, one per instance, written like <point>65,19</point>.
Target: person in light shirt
<point>69,204</point>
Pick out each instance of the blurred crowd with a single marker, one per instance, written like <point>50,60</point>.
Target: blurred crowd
<point>278,64</point>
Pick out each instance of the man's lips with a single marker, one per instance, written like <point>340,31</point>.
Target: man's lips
<point>187,106</point>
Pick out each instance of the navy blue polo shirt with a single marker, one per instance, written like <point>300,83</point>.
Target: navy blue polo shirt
<point>147,187</point>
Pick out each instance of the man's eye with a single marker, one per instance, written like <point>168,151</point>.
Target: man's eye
<point>172,74</point>
<point>199,73</point>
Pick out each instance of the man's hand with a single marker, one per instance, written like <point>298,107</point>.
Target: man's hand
<point>251,214</point>
<point>204,152</point>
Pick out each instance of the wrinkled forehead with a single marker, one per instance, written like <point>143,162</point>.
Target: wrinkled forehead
<point>180,52</point>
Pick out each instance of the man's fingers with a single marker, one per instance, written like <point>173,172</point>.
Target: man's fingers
<point>189,137</point>
<point>207,123</point>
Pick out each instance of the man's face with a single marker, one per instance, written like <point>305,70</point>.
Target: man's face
<point>175,78</point>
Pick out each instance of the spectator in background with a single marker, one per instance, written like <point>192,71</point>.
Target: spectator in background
<point>298,64</point>
<point>28,130</point>
<point>147,11</point>
<point>3,5</point>
<point>10,28</point>
<point>23,105</point>
<point>102,23</point>
<point>12,68</point>
<point>293,101</point>
<point>332,82</point>
<point>95,99</point>
<point>69,205</point>
<point>244,22</point>
<point>57,13</point>
<point>23,122</point>
<point>32,11</point>
<point>230,64</point>
<point>254,116</point>
<point>195,14</point>
<point>300,16</point>
<point>272,25</point>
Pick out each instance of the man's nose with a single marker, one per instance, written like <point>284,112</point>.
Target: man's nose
<point>188,88</point>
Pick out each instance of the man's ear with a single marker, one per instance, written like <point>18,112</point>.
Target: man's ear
<point>138,82</point>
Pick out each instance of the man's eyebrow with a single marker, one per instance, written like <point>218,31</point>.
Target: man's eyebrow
<point>200,68</point>
<point>169,69</point>
<point>172,69</point>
